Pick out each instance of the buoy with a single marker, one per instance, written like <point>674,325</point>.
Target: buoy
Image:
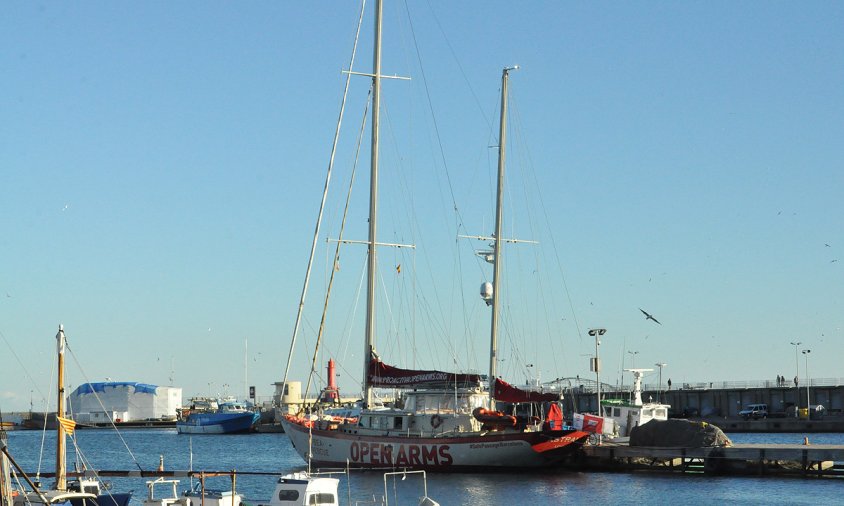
<point>806,441</point>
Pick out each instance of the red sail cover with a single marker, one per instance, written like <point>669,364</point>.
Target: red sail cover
<point>508,393</point>
<point>387,376</point>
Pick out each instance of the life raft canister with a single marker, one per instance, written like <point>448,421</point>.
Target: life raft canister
<point>493,418</point>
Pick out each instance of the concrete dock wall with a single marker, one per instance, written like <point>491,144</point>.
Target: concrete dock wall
<point>721,402</point>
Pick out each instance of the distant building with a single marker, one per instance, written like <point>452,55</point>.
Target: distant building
<point>123,401</point>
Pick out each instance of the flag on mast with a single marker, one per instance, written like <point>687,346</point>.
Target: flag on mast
<point>67,424</point>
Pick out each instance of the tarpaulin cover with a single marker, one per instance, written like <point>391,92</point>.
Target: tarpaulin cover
<point>508,393</point>
<point>383,375</point>
<point>140,388</point>
<point>676,433</point>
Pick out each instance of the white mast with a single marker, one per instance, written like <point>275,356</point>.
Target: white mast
<point>497,251</point>
<point>637,384</point>
<point>373,201</point>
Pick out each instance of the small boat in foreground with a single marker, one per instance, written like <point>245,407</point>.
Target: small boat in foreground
<point>199,496</point>
<point>304,488</point>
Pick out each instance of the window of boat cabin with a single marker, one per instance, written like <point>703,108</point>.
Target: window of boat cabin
<point>660,413</point>
<point>616,411</point>
<point>397,422</point>
<point>647,412</point>
<point>321,498</point>
<point>288,495</point>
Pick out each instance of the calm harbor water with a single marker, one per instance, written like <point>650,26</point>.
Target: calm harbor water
<point>272,453</point>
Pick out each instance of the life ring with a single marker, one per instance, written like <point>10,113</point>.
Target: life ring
<point>436,421</point>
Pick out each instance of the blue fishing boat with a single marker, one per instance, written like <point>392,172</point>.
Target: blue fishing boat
<point>228,418</point>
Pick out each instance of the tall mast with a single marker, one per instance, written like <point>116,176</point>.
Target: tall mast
<point>497,250</point>
<point>373,205</point>
<point>61,469</point>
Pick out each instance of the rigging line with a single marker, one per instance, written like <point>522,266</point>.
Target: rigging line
<point>336,261</point>
<point>96,396</point>
<point>324,196</point>
<point>555,250</point>
<point>86,464</point>
<point>431,110</point>
<point>23,367</point>
<point>391,325</point>
<point>459,66</point>
<point>414,289</point>
<point>44,427</point>
<point>525,168</point>
<point>437,325</point>
<point>349,326</point>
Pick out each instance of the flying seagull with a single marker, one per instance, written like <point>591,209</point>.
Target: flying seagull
<point>648,316</point>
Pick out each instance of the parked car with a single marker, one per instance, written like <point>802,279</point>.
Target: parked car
<point>754,411</point>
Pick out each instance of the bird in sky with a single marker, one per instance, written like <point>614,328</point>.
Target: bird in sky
<point>648,316</point>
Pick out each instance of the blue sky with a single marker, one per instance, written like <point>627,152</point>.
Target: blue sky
<point>161,166</point>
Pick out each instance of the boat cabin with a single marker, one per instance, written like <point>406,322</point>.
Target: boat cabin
<point>57,497</point>
<point>424,412</point>
<point>300,489</point>
<point>627,415</point>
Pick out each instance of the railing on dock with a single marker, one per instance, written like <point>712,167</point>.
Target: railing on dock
<point>586,385</point>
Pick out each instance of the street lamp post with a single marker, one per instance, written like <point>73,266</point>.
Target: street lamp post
<point>596,363</point>
<point>633,358</point>
<point>806,354</point>
<point>796,375</point>
<point>659,390</point>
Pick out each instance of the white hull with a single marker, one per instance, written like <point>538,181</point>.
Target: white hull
<point>472,451</point>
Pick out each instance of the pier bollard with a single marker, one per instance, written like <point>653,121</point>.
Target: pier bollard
<point>806,441</point>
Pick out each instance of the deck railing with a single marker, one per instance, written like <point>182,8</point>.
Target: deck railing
<point>584,385</point>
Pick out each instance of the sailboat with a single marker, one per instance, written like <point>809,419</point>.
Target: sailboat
<point>81,491</point>
<point>447,421</point>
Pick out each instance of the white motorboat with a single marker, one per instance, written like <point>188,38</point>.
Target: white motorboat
<point>620,416</point>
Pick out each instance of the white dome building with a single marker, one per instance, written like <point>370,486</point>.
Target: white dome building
<point>124,401</point>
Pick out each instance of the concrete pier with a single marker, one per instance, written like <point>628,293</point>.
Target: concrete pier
<point>719,400</point>
<point>740,459</point>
